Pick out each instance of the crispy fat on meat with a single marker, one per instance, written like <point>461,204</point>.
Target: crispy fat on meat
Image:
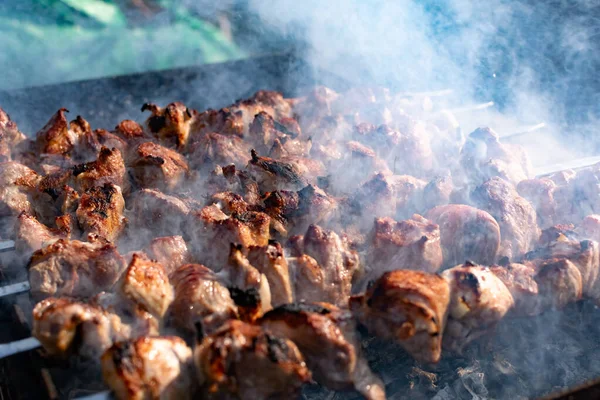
<point>157,167</point>
<point>108,167</point>
<point>408,307</point>
<point>242,361</point>
<point>100,211</point>
<point>74,268</point>
<point>326,336</point>
<point>66,326</point>
<point>147,284</point>
<point>467,233</point>
<point>200,298</point>
<point>170,251</point>
<point>270,261</point>
<point>410,244</point>
<point>155,368</point>
<point>171,124</point>
<point>478,301</point>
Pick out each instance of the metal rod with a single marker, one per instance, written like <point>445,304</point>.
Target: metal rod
<point>106,395</point>
<point>473,107</point>
<point>7,245</point>
<point>523,132</point>
<point>19,346</point>
<point>14,288</point>
<point>572,164</point>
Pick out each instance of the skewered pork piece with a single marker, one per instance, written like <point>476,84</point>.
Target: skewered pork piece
<point>274,174</point>
<point>109,167</point>
<point>520,280</point>
<point>170,251</point>
<point>590,227</point>
<point>100,211</point>
<point>149,368</point>
<point>10,136</point>
<point>212,149</point>
<point>410,244</point>
<point>147,284</point>
<point>515,216</point>
<point>288,147</point>
<point>270,261</point>
<point>74,268</point>
<point>540,193</point>
<point>200,298</point>
<point>327,273</point>
<point>17,186</point>
<point>55,137</point>
<point>436,193</point>
<point>32,235</point>
<point>242,361</point>
<point>171,124</point>
<point>326,337</point>
<point>231,179</point>
<point>408,307</point>
<point>559,283</point>
<point>467,233</point>
<point>264,131</point>
<point>156,167</point>
<point>478,301</point>
<point>154,213</point>
<point>65,326</point>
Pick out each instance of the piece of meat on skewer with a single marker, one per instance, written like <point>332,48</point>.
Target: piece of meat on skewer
<point>233,180</point>
<point>540,193</point>
<point>515,216</point>
<point>100,211</point>
<point>157,367</point>
<point>200,298</point>
<point>17,186</point>
<point>559,283</point>
<point>109,167</point>
<point>242,361</point>
<point>270,261</point>
<point>478,301</point>
<point>410,244</point>
<point>274,174</point>
<point>32,235</point>
<point>74,268</point>
<point>147,284</point>
<point>10,137</point>
<point>590,227</point>
<point>65,326</point>
<point>170,251</point>
<point>408,307</point>
<point>212,149</point>
<point>329,268</point>
<point>467,233</point>
<point>520,279</point>
<point>55,137</point>
<point>156,167</point>
<point>170,124</point>
<point>326,336</point>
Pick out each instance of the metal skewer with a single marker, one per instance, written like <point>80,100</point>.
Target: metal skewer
<point>7,245</point>
<point>18,346</point>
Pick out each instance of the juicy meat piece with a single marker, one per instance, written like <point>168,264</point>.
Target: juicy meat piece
<point>225,121</point>
<point>412,244</point>
<point>65,326</point>
<point>10,136</point>
<point>170,251</point>
<point>17,184</point>
<point>56,137</point>
<point>326,336</point>
<point>478,301</point>
<point>520,279</point>
<point>231,179</point>
<point>437,192</point>
<point>274,174</point>
<point>590,227</point>
<point>109,167</point>
<point>129,130</point>
<point>157,167</point>
<point>171,124</point>
<point>282,107</point>
<point>515,216</point>
<point>240,274</point>
<point>559,283</point>
<point>213,149</point>
<point>157,213</point>
<point>157,367</point>
<point>32,235</point>
<point>100,211</point>
<point>467,233</point>
<point>270,261</point>
<point>200,298</point>
<point>331,276</point>
<point>242,361</point>
<point>147,284</point>
<point>288,147</point>
<point>483,157</point>
<point>540,193</point>
<point>230,203</point>
<point>74,268</point>
<point>110,140</point>
<point>408,307</point>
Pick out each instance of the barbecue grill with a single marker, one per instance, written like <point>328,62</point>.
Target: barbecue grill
<point>511,364</point>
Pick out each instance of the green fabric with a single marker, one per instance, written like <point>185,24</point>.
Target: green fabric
<point>79,39</point>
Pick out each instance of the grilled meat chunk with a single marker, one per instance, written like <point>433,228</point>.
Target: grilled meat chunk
<point>156,167</point>
<point>515,216</point>
<point>109,167</point>
<point>478,301</point>
<point>157,214</point>
<point>242,361</point>
<point>200,298</point>
<point>213,149</point>
<point>540,193</point>
<point>55,137</point>
<point>170,251</point>
<point>327,275</point>
<point>437,192</point>
<point>274,174</point>
<point>327,338</point>
<point>410,244</point>
<point>559,283</point>
<point>270,261</point>
<point>149,368</point>
<point>520,279</point>
<point>100,211</point>
<point>65,326</point>
<point>32,235</point>
<point>74,268</point>
<point>10,136</point>
<point>408,307</point>
<point>231,179</point>
<point>171,124</point>
<point>590,227</point>
<point>225,121</point>
<point>467,233</point>
<point>265,131</point>
<point>17,186</point>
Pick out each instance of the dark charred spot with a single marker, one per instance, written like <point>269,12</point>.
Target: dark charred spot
<point>199,332</point>
<point>585,244</point>
<point>277,348</point>
<point>468,280</point>
<point>296,308</point>
<point>81,168</point>
<point>504,261</point>
<point>469,263</point>
<point>283,129</point>
<point>156,123</point>
<point>53,192</point>
<point>229,171</point>
<point>249,298</point>
<point>122,356</point>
